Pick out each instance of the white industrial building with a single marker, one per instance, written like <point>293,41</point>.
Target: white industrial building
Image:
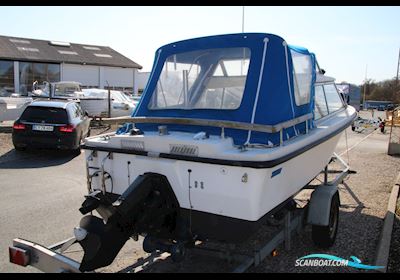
<point>141,81</point>
<point>24,61</point>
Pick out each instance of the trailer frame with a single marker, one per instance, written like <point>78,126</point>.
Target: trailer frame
<point>51,259</point>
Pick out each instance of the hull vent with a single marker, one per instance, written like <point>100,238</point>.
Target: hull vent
<point>132,145</point>
<point>186,150</point>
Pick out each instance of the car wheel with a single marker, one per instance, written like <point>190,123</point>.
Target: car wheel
<point>77,151</point>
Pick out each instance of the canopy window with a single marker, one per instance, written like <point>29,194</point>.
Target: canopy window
<point>302,76</point>
<point>333,98</point>
<point>204,79</point>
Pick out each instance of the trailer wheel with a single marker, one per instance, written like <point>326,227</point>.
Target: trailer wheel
<point>324,236</point>
<point>178,252</point>
<point>148,244</point>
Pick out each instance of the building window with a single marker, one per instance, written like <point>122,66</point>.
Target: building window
<point>102,55</point>
<point>92,48</point>
<point>28,49</point>
<point>67,52</point>
<point>6,78</point>
<point>30,72</point>
<point>123,89</point>
<point>19,41</point>
<point>88,86</point>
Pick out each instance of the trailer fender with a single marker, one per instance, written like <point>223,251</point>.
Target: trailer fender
<point>320,204</point>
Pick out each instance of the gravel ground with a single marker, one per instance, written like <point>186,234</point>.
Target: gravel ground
<point>364,197</point>
<point>5,146</point>
<point>394,255</point>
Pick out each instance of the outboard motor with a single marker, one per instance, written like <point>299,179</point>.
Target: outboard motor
<point>147,206</point>
<point>101,243</point>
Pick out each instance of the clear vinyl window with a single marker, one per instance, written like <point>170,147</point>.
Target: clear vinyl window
<point>320,106</point>
<point>327,100</point>
<point>205,79</point>
<point>302,77</point>
<point>332,98</point>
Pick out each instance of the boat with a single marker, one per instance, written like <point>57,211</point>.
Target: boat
<point>229,128</point>
<point>121,105</point>
<point>62,90</point>
<point>92,100</point>
<point>11,107</point>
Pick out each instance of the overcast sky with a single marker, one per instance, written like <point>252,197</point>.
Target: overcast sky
<point>344,39</point>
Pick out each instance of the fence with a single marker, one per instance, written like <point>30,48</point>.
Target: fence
<point>393,122</point>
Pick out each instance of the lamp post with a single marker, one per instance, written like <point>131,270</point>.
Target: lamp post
<point>365,85</point>
<point>243,20</point>
<point>398,66</point>
<point>241,64</point>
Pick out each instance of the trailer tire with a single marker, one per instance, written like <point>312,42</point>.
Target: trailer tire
<point>325,236</point>
<point>178,252</point>
<point>148,245</point>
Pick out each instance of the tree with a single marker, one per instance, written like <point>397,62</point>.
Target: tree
<point>386,90</point>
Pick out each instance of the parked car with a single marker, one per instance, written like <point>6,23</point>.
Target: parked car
<point>57,124</point>
<point>381,108</point>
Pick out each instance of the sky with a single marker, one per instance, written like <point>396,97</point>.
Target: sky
<point>350,43</point>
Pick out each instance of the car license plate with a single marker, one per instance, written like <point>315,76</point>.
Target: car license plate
<point>42,127</point>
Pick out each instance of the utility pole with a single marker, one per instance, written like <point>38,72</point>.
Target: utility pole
<point>109,99</point>
<point>398,66</point>
<point>241,64</point>
<point>243,20</point>
<point>365,86</point>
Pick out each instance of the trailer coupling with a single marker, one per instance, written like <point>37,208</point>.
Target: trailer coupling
<point>147,207</point>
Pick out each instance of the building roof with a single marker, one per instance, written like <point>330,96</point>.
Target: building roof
<point>14,48</point>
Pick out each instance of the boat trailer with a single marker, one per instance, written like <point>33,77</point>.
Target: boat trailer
<point>51,259</point>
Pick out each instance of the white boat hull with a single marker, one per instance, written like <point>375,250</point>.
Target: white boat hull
<point>222,186</point>
<point>12,107</point>
<point>218,189</point>
<point>99,107</point>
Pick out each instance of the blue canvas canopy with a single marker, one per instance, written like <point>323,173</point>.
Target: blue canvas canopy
<point>269,95</point>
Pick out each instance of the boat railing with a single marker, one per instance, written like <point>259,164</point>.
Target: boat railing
<point>215,123</point>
